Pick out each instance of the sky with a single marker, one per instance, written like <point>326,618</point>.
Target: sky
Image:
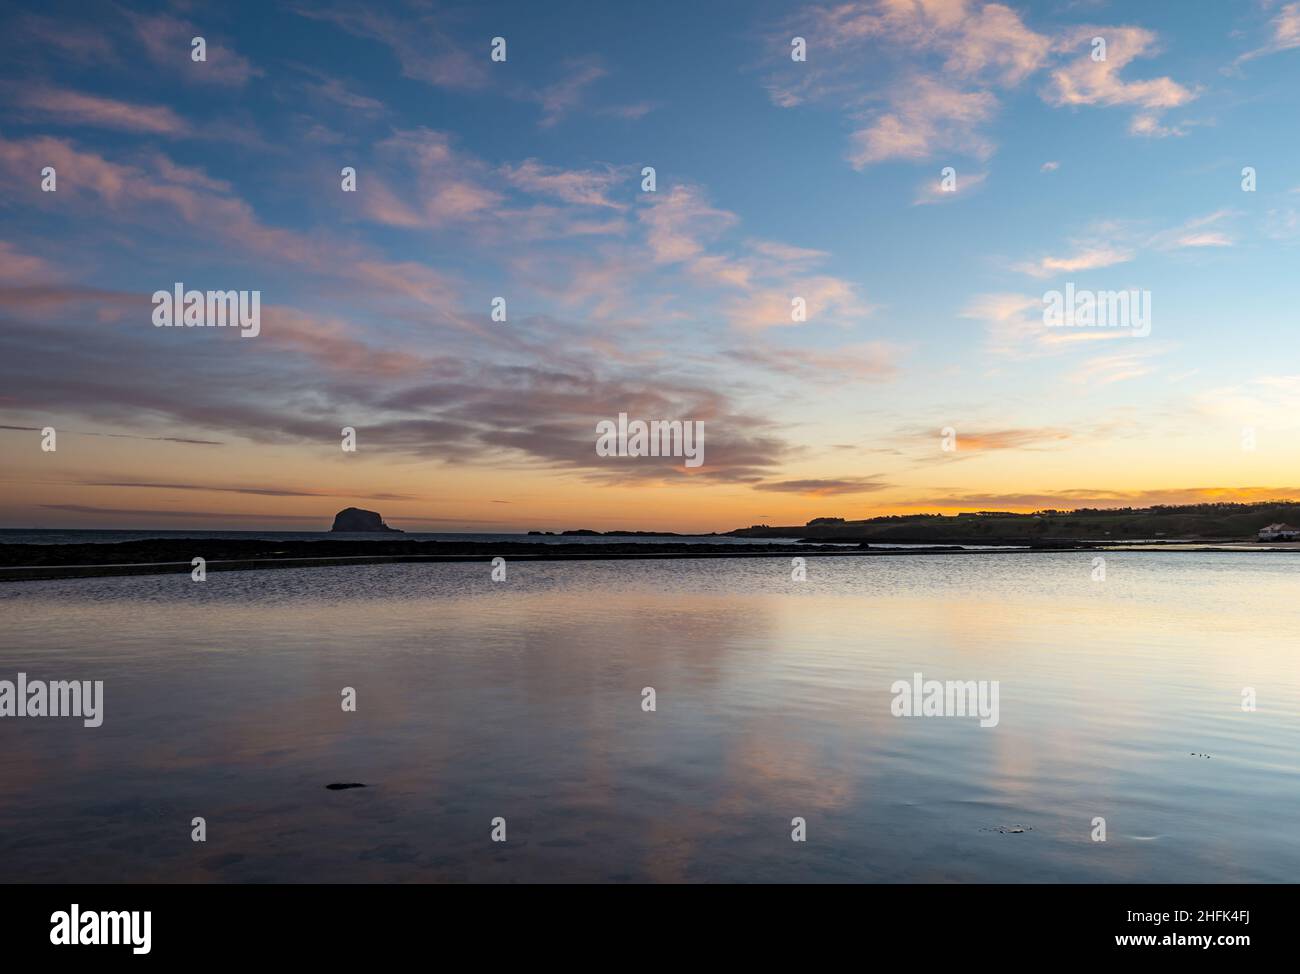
<point>919,181</point>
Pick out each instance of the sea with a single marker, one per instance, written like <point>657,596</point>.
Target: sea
<point>720,720</point>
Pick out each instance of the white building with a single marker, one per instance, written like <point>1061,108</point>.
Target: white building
<point>1279,532</point>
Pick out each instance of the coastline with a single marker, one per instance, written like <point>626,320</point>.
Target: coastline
<point>31,562</point>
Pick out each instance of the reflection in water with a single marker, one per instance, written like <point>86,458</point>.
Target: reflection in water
<point>522,699</point>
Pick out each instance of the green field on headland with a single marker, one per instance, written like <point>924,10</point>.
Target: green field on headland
<point>1182,522</point>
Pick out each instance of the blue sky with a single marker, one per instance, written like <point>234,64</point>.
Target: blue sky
<point>521,178</point>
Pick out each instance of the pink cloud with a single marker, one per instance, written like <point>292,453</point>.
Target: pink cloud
<point>862,360</point>
<point>1086,81</point>
<point>424,49</point>
<point>679,221</point>
<point>20,268</point>
<point>1088,259</point>
<point>153,188</point>
<point>924,117</point>
<point>827,300</point>
<point>584,187</point>
<point>83,45</point>
<point>1284,29</point>
<point>440,186</point>
<point>74,108</point>
<point>563,96</point>
<point>682,228</point>
<point>973,47</point>
<point>330,342</point>
<point>167,40</point>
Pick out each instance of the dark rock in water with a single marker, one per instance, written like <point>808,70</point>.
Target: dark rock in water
<point>341,785</point>
<point>355,519</point>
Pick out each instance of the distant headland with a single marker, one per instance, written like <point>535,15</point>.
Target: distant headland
<point>1184,522</point>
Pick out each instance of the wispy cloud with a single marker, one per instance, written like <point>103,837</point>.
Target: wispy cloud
<point>758,281</point>
<point>166,39</point>
<point>425,181</point>
<point>79,43</point>
<point>19,267</point>
<point>239,489</point>
<point>154,191</point>
<point>163,513</point>
<point>425,50</point>
<point>1088,259</point>
<point>561,97</point>
<point>124,436</point>
<point>1132,363</point>
<point>1109,243</point>
<point>832,487</point>
<point>1014,327</point>
<point>863,360</point>
<point>586,187</point>
<point>1202,231</point>
<point>924,117</point>
<point>1266,399</point>
<point>933,191</point>
<point>65,107</point>
<point>336,92</point>
<point>1284,34</point>
<point>987,440</point>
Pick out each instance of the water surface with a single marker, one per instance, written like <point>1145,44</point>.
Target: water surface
<point>522,699</point>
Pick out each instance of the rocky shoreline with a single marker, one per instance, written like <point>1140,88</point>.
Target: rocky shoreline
<point>25,562</point>
<point>30,562</point>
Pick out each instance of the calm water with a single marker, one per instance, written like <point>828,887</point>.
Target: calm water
<point>522,700</point>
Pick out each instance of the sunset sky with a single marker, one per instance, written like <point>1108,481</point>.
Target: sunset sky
<point>522,179</point>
